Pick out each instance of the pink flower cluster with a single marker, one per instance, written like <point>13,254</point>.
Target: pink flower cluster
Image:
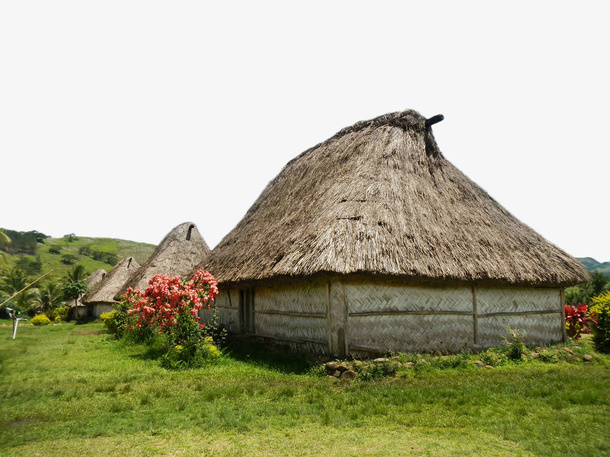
<point>165,298</point>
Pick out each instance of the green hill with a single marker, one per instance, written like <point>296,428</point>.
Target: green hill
<point>37,254</point>
<point>593,265</point>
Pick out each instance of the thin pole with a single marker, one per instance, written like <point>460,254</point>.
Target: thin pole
<point>26,287</point>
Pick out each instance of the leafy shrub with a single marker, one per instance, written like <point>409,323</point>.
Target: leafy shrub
<point>601,329</point>
<point>494,357</point>
<point>181,356</point>
<point>41,319</point>
<point>170,306</point>
<point>68,259</point>
<point>58,314</point>
<point>54,250</point>
<point>578,319</point>
<point>113,321</point>
<point>516,346</point>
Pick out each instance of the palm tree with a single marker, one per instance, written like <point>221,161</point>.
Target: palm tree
<point>76,274</point>
<point>48,296</point>
<point>14,280</point>
<point>74,283</point>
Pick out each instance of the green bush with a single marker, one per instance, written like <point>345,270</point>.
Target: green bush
<point>516,346</point>
<point>58,314</point>
<point>112,321</point>
<point>41,319</point>
<point>601,330</point>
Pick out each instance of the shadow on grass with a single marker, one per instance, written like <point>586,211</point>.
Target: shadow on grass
<point>253,351</point>
<point>241,349</point>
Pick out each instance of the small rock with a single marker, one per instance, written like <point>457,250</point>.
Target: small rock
<point>396,357</point>
<point>587,357</point>
<point>342,367</point>
<point>331,366</point>
<point>381,360</point>
<point>337,374</point>
<point>535,355</point>
<point>479,363</point>
<point>568,350</point>
<point>357,363</point>
<point>349,375</point>
<point>409,365</point>
<point>595,356</point>
<point>489,367</point>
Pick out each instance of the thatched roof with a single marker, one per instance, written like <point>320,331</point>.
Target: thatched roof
<point>379,198</point>
<point>92,280</point>
<point>95,277</point>
<point>179,252</point>
<point>104,291</point>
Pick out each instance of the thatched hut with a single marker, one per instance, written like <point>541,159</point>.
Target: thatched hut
<point>179,252</point>
<point>95,277</point>
<point>100,298</point>
<point>373,241</point>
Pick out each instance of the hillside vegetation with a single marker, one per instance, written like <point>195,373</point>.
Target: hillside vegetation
<point>593,265</point>
<point>37,254</point>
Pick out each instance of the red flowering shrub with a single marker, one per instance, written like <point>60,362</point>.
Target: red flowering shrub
<point>578,319</point>
<point>170,306</point>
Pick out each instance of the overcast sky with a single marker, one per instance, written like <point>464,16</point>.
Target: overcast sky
<point>124,118</point>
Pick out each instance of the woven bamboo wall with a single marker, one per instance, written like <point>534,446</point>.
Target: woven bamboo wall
<point>494,300</point>
<point>227,306</point>
<point>409,333</point>
<point>101,308</point>
<point>536,313</point>
<point>397,318</point>
<point>379,298</point>
<point>362,318</point>
<point>309,298</point>
<point>293,314</point>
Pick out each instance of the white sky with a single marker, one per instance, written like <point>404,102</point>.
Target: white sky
<point>125,118</point>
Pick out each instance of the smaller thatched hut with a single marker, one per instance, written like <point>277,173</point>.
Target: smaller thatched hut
<point>179,252</point>
<point>101,297</point>
<point>92,280</point>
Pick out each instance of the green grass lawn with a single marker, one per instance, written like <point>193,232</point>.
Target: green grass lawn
<point>72,390</point>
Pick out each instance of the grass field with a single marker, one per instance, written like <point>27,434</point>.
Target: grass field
<point>71,390</point>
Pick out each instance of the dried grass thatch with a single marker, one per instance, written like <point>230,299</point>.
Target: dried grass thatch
<point>105,290</point>
<point>92,280</point>
<point>179,252</point>
<point>95,277</point>
<point>379,198</point>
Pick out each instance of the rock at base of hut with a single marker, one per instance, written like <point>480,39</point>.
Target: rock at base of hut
<point>349,375</point>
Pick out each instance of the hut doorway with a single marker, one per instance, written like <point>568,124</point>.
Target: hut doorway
<point>246,310</point>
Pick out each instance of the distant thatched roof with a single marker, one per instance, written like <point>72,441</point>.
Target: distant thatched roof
<point>104,291</point>
<point>95,277</point>
<point>379,198</point>
<point>92,280</point>
<point>181,250</point>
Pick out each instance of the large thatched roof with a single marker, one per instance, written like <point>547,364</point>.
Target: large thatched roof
<point>105,290</point>
<point>179,252</point>
<point>379,198</point>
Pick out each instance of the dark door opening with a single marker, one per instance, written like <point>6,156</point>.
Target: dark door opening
<point>246,308</point>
